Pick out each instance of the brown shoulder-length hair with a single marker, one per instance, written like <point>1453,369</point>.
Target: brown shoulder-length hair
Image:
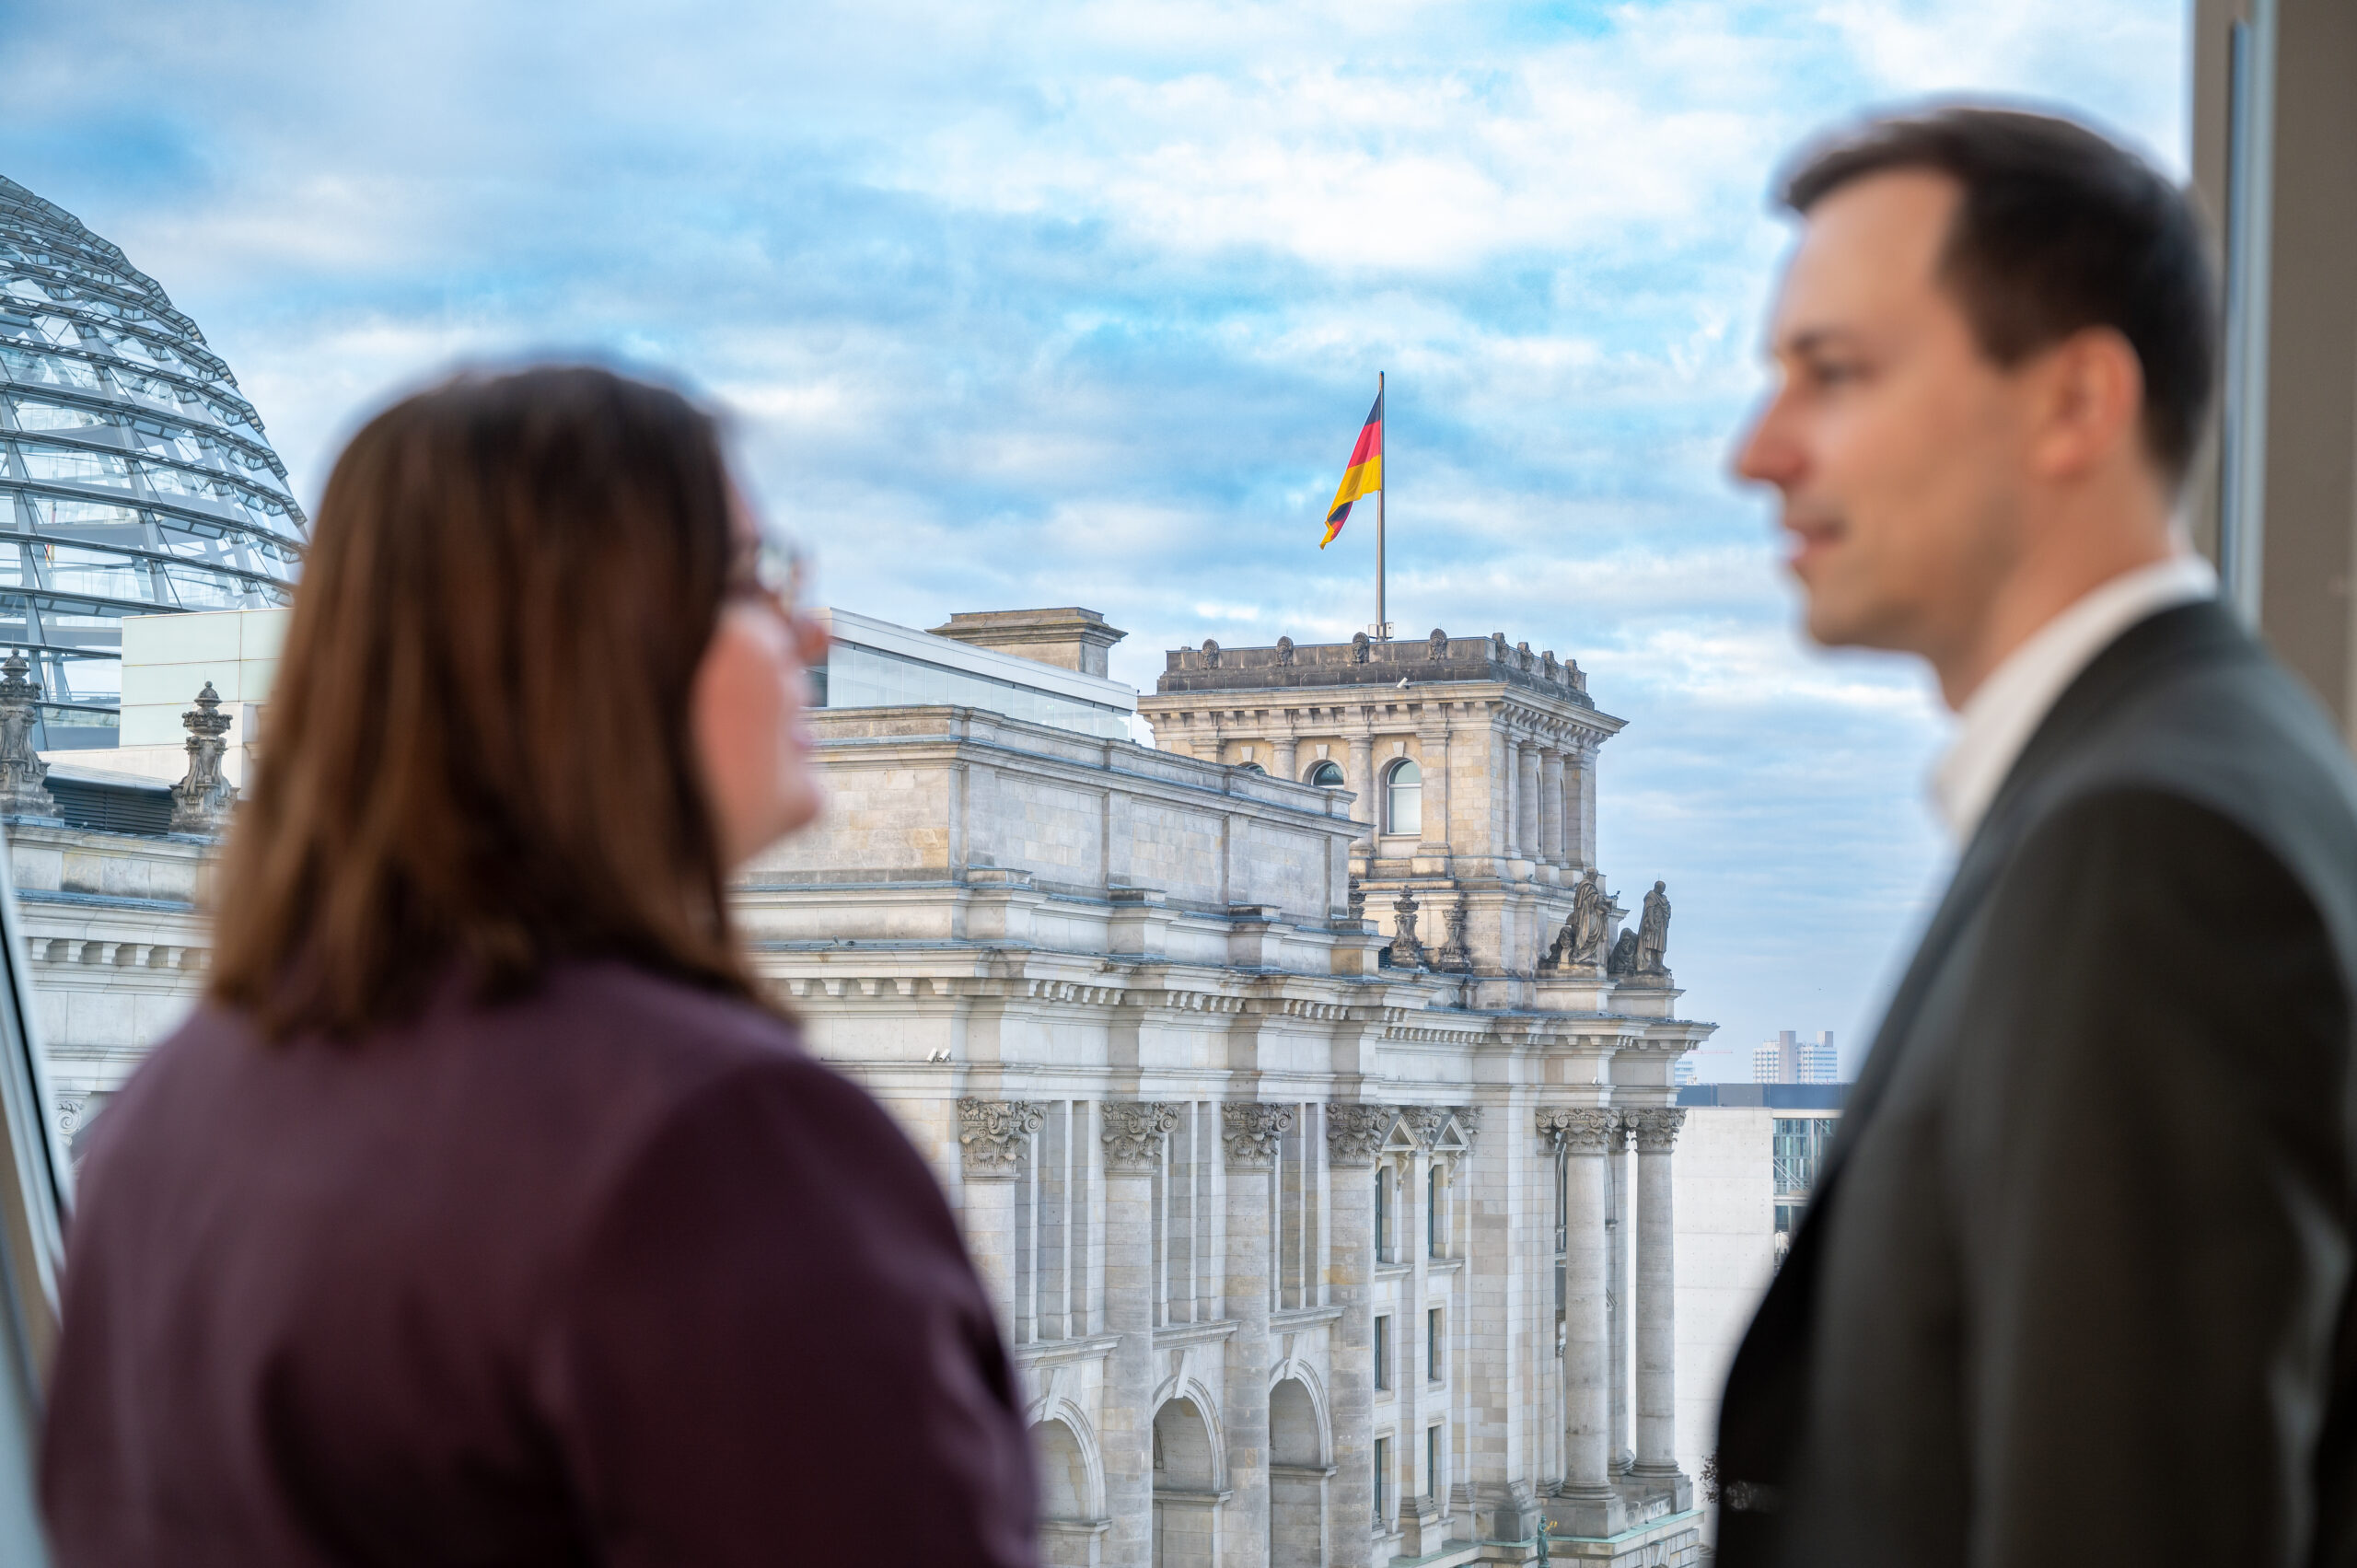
<point>478,757</point>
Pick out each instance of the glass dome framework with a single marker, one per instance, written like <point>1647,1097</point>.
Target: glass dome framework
<point>135,477</point>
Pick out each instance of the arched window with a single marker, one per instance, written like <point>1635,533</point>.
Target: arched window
<point>1327,775</point>
<point>1403,798</point>
<point>1256,767</point>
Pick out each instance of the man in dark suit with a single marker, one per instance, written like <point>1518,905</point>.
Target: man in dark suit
<point>2075,1284</point>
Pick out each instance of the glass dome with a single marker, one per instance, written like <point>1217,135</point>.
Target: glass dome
<point>134,475</point>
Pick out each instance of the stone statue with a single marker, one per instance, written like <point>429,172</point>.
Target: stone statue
<point>1407,952</point>
<point>1653,932</point>
<point>201,800</point>
<point>1588,928</point>
<point>1456,953</point>
<point>1624,955</point>
<point>24,789</point>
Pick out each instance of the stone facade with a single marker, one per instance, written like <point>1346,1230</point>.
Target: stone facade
<point>1291,1204</point>
<point>1500,745</point>
<point>1318,1238</point>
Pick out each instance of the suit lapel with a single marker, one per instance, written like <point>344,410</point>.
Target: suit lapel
<point>2127,662</point>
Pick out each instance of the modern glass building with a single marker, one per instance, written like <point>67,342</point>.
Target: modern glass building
<point>134,475</point>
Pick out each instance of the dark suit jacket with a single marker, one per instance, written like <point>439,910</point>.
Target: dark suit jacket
<point>2075,1284</point>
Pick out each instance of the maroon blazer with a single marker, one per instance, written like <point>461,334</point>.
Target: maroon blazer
<point>616,1275</point>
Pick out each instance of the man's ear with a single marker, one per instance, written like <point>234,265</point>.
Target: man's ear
<point>2088,399</point>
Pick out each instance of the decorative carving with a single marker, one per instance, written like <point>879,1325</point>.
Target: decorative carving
<point>1457,954</point>
<point>23,788</point>
<point>1657,1128</point>
<point>201,801</point>
<point>1361,644</point>
<point>1353,1133</point>
<point>71,1108</point>
<point>1407,951</point>
<point>1653,932</point>
<point>1252,1133</point>
<point>1624,955</point>
<point>1580,1130</point>
<point>1522,656</point>
<point>1582,940</point>
<point>993,1132</point>
<point>1358,899</point>
<point>1548,669</point>
<point>1468,1125</point>
<point>1133,1132</point>
<point>1284,650</point>
<point>1211,654</point>
<point>1498,646</point>
<point>1438,646</point>
<point>1426,1124</point>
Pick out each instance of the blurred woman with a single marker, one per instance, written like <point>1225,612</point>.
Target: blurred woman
<point>489,1211</point>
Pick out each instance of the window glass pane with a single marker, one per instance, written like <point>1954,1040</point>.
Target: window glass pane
<point>58,465</point>
<point>35,415</point>
<point>91,522</point>
<point>1404,810</point>
<point>57,370</point>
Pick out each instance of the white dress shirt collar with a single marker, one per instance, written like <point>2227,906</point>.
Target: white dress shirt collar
<point>1998,719</point>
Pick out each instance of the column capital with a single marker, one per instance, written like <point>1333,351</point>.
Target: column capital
<point>1468,1125</point>
<point>1426,1124</point>
<point>1353,1133</point>
<point>993,1131</point>
<point>1133,1133</point>
<point>1657,1128</point>
<point>1580,1130</point>
<point>1250,1133</point>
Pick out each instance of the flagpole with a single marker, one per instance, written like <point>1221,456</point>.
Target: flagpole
<point>1382,626</point>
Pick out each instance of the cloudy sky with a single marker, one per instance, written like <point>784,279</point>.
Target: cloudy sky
<point>1047,303</point>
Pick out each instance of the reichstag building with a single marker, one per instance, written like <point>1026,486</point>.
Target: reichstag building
<point>1304,1086</point>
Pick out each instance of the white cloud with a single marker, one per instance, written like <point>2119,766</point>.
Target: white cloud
<point>1080,302</point>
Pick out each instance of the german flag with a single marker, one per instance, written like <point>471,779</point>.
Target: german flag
<point>1364,475</point>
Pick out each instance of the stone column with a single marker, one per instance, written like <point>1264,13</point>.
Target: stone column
<point>1285,763</point>
<point>1551,806</point>
<point>1621,1187</point>
<point>992,1133</point>
<point>1250,1133</point>
<point>1656,1293</point>
<point>1426,1124</point>
<point>1353,1133</point>
<point>1361,768</point>
<point>1527,805</point>
<point>1587,803</point>
<point>1504,845</point>
<point>1133,1135</point>
<point>1589,1505</point>
<point>1574,770</point>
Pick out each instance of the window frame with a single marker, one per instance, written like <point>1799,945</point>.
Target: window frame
<point>36,1195</point>
<point>1391,789</point>
<point>1383,1353</point>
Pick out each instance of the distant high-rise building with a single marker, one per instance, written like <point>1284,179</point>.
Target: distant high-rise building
<point>1683,1072</point>
<point>1789,1060</point>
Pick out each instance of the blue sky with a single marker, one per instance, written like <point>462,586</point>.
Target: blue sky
<point>1053,304</point>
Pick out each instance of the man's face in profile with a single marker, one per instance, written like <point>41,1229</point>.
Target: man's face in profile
<point>1893,440</point>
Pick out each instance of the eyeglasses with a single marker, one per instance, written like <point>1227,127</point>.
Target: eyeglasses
<point>774,569</point>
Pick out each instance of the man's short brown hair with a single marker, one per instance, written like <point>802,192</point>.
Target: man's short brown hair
<point>2057,230</point>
